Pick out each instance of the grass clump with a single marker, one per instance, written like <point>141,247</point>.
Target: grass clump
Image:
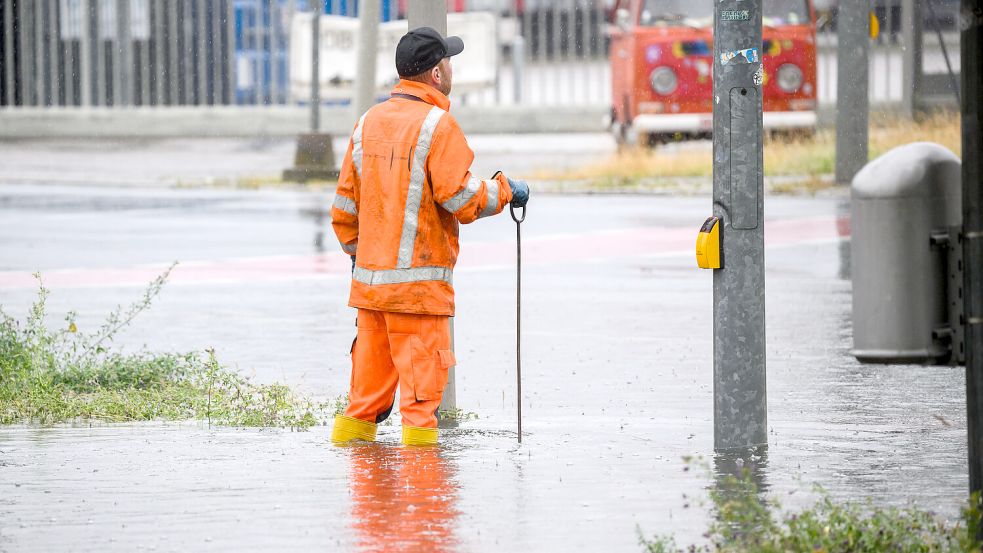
<point>49,376</point>
<point>457,415</point>
<point>744,522</point>
<point>795,155</point>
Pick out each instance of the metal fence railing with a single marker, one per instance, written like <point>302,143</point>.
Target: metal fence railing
<point>887,85</point>
<point>81,53</point>
<point>554,53</point>
<point>116,52</point>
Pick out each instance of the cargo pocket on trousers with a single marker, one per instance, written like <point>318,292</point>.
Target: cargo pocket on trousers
<point>430,370</point>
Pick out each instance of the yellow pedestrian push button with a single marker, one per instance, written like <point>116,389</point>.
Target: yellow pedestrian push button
<point>708,244</point>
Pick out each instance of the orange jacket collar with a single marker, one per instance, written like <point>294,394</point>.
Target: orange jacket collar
<point>424,92</point>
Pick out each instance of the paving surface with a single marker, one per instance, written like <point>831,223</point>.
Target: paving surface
<point>617,375</point>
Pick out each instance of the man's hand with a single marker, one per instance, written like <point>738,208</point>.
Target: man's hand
<point>520,192</point>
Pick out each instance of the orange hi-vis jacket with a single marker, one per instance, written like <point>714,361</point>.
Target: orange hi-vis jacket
<point>405,183</point>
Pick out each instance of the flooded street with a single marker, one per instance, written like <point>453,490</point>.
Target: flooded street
<point>617,377</point>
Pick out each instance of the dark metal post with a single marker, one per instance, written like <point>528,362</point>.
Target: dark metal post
<point>852,100</point>
<point>315,157</point>
<point>739,398</point>
<point>911,56</point>
<point>8,58</point>
<point>971,41</point>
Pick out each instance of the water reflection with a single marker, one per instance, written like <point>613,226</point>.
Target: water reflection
<point>321,217</point>
<point>750,463</point>
<point>403,499</point>
<point>843,229</point>
<point>740,484</point>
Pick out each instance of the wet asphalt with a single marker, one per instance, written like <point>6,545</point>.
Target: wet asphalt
<point>617,377</point>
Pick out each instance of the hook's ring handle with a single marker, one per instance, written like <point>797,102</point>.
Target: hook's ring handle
<point>512,212</point>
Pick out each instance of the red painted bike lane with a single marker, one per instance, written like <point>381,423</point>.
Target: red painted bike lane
<point>565,248</point>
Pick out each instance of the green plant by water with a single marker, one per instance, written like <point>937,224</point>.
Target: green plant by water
<point>743,521</point>
<point>65,374</point>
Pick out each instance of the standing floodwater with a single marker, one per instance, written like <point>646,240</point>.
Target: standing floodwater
<point>616,378</point>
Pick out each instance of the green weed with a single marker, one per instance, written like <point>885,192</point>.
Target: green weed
<point>457,414</point>
<point>742,521</point>
<point>49,376</point>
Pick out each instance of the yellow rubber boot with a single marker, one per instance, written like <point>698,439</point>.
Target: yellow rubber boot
<point>413,435</point>
<point>348,429</point>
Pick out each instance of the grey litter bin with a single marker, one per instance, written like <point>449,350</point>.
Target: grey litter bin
<point>899,276</point>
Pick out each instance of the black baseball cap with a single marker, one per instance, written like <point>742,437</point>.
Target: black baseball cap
<point>422,49</point>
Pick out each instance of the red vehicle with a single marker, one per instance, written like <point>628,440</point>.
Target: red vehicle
<point>662,62</point>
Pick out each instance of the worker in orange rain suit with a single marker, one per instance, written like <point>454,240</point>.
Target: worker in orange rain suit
<point>405,184</point>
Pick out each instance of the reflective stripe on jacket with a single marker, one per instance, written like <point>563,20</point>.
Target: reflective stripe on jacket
<point>405,184</point>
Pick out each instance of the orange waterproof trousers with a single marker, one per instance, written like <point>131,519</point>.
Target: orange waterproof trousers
<point>410,350</point>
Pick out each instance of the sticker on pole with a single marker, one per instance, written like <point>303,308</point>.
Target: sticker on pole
<point>735,15</point>
<point>747,55</point>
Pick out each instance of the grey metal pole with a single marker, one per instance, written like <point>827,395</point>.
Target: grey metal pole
<point>173,75</point>
<point>201,53</point>
<point>8,48</point>
<point>885,45</point>
<point>259,38</point>
<point>187,56</point>
<point>433,14</point>
<point>599,38</point>
<point>145,69</point>
<point>555,59</point>
<point>117,70</point>
<point>39,69</point>
<point>428,13</point>
<point>126,53</point>
<point>526,23</point>
<point>518,67</point>
<point>571,33</point>
<point>316,68</point>
<point>541,51</point>
<point>911,56</point>
<point>157,11</point>
<point>497,93</point>
<point>852,96</point>
<point>288,95</point>
<point>368,51</point>
<point>582,47</point>
<point>971,42</point>
<point>54,51</point>
<point>230,53</point>
<point>274,7</point>
<point>85,53</point>
<point>22,47</point>
<point>739,387</point>
<point>101,70</point>
<point>215,48</point>
<point>120,80</point>
<point>69,57</point>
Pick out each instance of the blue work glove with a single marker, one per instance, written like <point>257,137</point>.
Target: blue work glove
<point>520,192</point>
<point>353,265</point>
